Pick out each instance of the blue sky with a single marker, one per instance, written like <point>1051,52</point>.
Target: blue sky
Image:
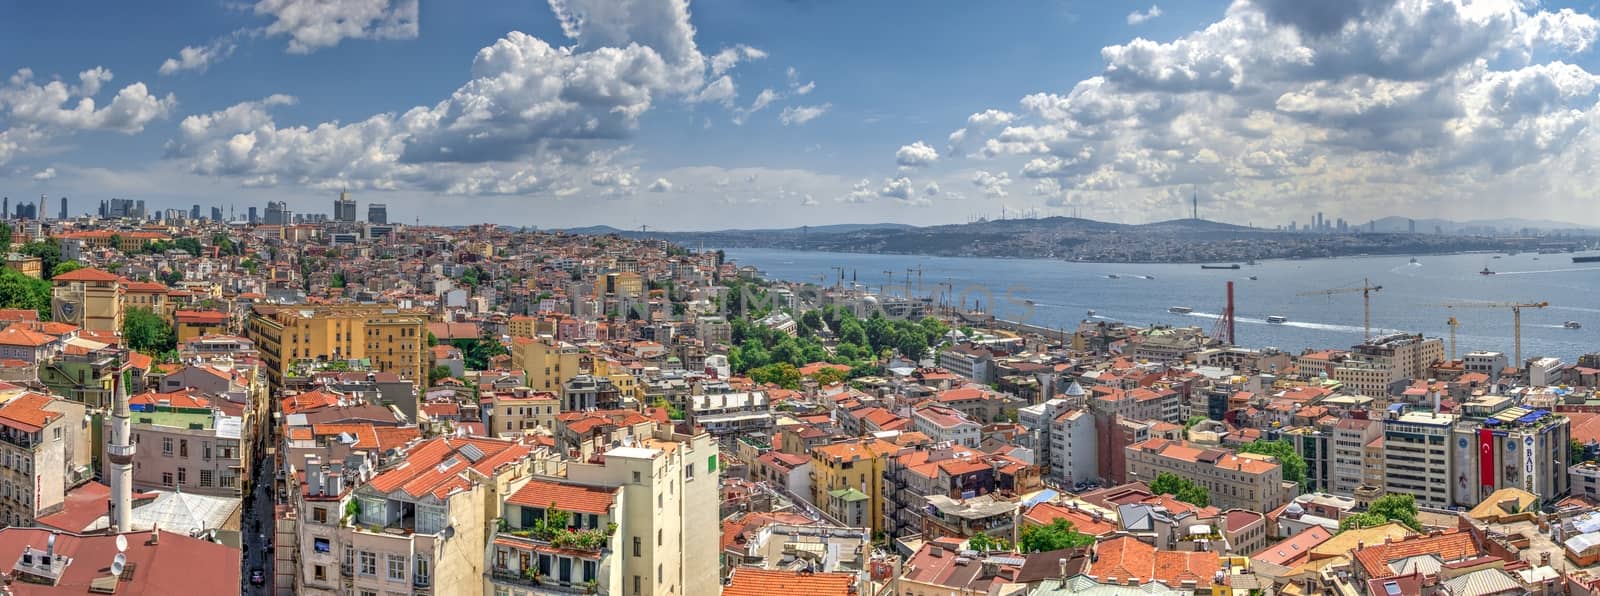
<point>631,112</point>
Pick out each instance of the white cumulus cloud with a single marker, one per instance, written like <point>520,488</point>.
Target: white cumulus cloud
<point>312,25</point>
<point>1137,17</point>
<point>797,115</point>
<point>917,154</point>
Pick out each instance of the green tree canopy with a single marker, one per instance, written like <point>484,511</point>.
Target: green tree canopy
<point>49,254</point>
<point>1181,489</point>
<point>1193,420</point>
<point>985,543</point>
<point>438,373</point>
<point>783,374</point>
<point>146,332</point>
<point>1387,508</point>
<point>1058,535</point>
<point>20,291</point>
<point>1294,466</point>
<point>65,267</point>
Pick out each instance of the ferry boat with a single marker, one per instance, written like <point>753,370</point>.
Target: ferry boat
<point>1253,278</point>
<point>1112,276</point>
<point>1091,312</point>
<point>1413,260</point>
<point>1231,266</point>
<point>1277,319</point>
<point>1572,325</point>
<point>1180,310</point>
<point>1486,271</point>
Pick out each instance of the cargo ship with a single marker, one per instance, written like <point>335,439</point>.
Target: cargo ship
<point>1587,259</point>
<point>1233,266</point>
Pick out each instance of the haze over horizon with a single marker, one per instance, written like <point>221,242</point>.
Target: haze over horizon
<point>725,114</point>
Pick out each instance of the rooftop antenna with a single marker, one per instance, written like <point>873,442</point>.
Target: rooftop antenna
<point>1195,213</point>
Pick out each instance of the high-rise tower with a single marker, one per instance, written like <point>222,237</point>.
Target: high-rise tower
<point>120,453</point>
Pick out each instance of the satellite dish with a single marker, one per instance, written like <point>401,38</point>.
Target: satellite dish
<point>122,543</point>
<point>118,563</point>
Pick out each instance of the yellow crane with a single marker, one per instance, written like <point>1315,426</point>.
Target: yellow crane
<point>1366,288</point>
<point>1453,323</point>
<point>1516,319</point>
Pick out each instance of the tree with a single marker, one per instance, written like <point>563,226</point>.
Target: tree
<point>1193,420</point>
<point>189,245</point>
<point>116,241</point>
<point>65,267</point>
<point>673,412</point>
<point>146,332</point>
<point>20,291</point>
<point>438,373</point>
<point>1058,535</point>
<point>1577,452</point>
<point>5,236</point>
<point>1181,489</point>
<point>782,374</point>
<point>828,376</point>
<point>49,254</point>
<point>1294,466</point>
<point>984,543</point>
<point>1396,507</point>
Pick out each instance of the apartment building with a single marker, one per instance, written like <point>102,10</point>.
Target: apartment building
<point>393,339</point>
<point>972,362</point>
<point>417,526</point>
<point>1417,456</point>
<point>188,443</point>
<point>1350,437</point>
<point>44,452</point>
<point>642,521</point>
<point>849,483</point>
<point>731,413</point>
<point>1236,481</point>
<point>1485,362</point>
<point>550,363</point>
<point>943,424</point>
<point>89,298</point>
<point>192,324</point>
<point>1063,441</point>
<point>514,412</point>
<point>1379,362</point>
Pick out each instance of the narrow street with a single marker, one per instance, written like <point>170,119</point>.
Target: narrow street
<point>257,529</point>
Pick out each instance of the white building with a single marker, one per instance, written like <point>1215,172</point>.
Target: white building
<point>943,424</point>
<point>731,413</point>
<point>1488,363</point>
<point>1417,457</point>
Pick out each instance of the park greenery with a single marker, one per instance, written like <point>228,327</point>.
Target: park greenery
<point>1294,466</point>
<point>146,331</point>
<point>20,291</point>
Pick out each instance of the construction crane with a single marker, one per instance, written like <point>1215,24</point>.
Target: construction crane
<point>1516,318</point>
<point>1453,323</point>
<point>1366,288</point>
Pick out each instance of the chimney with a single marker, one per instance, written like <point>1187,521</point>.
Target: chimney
<point>155,535</point>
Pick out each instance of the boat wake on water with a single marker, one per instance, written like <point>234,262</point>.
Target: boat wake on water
<point>1300,324</point>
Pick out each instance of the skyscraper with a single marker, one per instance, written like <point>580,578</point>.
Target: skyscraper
<point>216,214</point>
<point>253,218</point>
<point>344,208</point>
<point>377,213</point>
<point>278,214</point>
<point>194,212</point>
<point>63,208</point>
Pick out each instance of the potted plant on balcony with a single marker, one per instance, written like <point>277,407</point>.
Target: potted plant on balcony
<point>531,574</point>
<point>591,587</point>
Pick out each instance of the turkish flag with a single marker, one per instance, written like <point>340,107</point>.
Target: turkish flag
<point>1485,457</point>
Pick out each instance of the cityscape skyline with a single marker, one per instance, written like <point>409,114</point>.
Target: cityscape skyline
<point>1416,109</point>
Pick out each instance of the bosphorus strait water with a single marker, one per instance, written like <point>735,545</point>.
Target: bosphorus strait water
<point>1061,294</point>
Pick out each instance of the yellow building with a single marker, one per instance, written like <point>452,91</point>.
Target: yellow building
<point>198,323</point>
<point>849,480</point>
<point>394,340</point>
<point>145,294</point>
<point>549,363</point>
<point>89,298</point>
<point>624,283</point>
<point>125,241</point>
<point>522,326</point>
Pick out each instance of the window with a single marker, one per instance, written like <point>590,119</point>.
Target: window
<point>660,538</point>
<point>183,448</point>
<point>369,563</point>
<point>636,478</point>
<point>688,471</point>
<point>205,478</point>
<point>183,475</point>
<point>397,567</point>
<point>420,567</point>
<point>166,445</point>
<point>205,451</point>
<point>319,573</point>
<point>56,433</point>
<point>636,587</point>
<point>166,478</point>
<point>321,545</point>
<point>638,546</point>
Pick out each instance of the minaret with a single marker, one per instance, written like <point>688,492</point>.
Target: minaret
<point>120,453</point>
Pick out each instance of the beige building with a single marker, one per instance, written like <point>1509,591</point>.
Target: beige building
<point>418,526</point>
<point>519,410</point>
<point>1350,438</point>
<point>1235,481</point>
<point>89,298</point>
<point>44,452</point>
<point>662,494</point>
<point>1417,457</point>
<point>1381,361</point>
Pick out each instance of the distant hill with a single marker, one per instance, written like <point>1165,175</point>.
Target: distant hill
<point>1427,226</point>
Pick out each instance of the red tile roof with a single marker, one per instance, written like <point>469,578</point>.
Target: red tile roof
<point>87,274</point>
<point>177,564</point>
<point>26,412</point>
<point>437,466</point>
<point>565,497</point>
<point>754,581</point>
<point>1449,546</point>
<point>177,399</point>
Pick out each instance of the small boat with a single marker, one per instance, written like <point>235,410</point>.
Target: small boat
<point>1149,277</point>
<point>1253,278</point>
<point>1179,310</point>
<point>1486,271</point>
<point>1497,256</point>
<point>1572,325</point>
<point>1232,266</point>
<point>1112,276</point>
<point>1413,260</point>
<point>1250,262</point>
<point>1027,302</point>
<point>1277,319</point>
<point>1091,312</point>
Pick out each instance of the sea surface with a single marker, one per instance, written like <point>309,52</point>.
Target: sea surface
<point>1060,294</point>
